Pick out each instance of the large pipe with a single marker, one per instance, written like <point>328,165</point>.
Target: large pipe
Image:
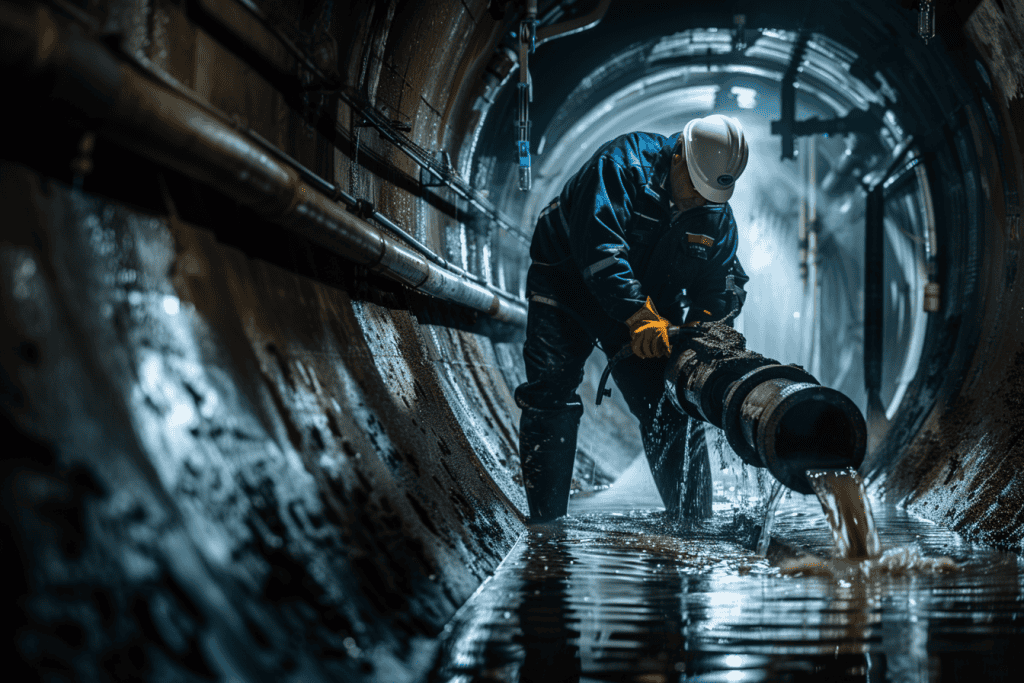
<point>774,416</point>
<point>165,127</point>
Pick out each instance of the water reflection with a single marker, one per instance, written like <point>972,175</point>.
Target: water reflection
<point>631,596</point>
<point>548,632</point>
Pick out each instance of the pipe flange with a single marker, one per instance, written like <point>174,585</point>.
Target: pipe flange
<point>682,358</point>
<point>724,370</point>
<point>734,402</point>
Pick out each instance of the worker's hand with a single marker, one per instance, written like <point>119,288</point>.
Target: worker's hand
<point>649,332</point>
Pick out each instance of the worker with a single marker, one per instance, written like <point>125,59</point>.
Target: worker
<point>639,234</point>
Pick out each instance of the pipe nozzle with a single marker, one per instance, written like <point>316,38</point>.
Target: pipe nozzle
<point>797,426</point>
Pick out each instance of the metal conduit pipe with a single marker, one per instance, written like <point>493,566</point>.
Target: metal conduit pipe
<point>325,186</point>
<point>310,177</point>
<point>168,128</point>
<point>333,190</point>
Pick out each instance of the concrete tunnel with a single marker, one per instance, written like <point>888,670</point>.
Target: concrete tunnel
<point>263,270</point>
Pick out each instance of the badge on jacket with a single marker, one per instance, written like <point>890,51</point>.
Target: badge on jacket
<point>698,246</point>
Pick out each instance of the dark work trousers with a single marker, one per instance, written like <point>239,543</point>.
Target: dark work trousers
<point>557,346</point>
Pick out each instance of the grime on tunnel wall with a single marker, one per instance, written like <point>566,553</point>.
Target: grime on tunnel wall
<point>261,462</point>
<point>963,465</point>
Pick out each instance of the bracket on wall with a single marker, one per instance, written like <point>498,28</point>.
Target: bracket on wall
<point>401,126</point>
<point>787,116</point>
<point>857,121</point>
<point>430,178</point>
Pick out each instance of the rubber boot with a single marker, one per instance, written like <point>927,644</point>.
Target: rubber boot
<point>547,451</point>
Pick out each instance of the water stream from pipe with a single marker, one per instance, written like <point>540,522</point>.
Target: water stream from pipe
<point>845,503</point>
<point>774,500</point>
<point>857,546</point>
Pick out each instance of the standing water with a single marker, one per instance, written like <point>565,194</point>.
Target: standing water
<point>845,504</point>
<point>629,594</point>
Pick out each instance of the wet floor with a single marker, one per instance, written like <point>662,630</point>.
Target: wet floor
<point>616,592</point>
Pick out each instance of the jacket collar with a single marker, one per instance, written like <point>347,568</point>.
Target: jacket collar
<point>659,185</point>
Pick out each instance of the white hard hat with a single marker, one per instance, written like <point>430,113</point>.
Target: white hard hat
<point>716,154</point>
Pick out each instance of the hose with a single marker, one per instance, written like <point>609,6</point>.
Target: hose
<point>627,350</point>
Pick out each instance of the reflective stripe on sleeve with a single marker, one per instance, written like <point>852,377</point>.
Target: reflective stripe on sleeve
<point>562,220</point>
<point>595,268</point>
<point>545,300</point>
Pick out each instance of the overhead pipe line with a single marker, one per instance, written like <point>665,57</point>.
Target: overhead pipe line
<point>360,207</point>
<point>384,126</point>
<point>317,181</point>
<point>168,128</point>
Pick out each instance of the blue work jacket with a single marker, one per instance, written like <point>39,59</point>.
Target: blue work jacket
<point>613,237</point>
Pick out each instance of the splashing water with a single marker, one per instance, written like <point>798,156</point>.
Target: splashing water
<point>858,549</point>
<point>844,501</point>
<point>778,493</point>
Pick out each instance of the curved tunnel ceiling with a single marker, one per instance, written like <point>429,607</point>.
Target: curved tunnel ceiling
<point>245,449</point>
<point>910,105</point>
<point>676,82</point>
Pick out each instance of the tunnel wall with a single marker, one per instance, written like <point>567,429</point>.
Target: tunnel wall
<point>238,456</point>
<point>962,465</point>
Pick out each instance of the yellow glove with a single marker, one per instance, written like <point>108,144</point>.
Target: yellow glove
<point>649,332</point>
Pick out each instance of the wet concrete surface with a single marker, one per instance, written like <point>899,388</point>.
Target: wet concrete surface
<point>231,472</point>
<point>627,595</point>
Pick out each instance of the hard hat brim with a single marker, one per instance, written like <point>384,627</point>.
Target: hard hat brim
<point>713,194</point>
